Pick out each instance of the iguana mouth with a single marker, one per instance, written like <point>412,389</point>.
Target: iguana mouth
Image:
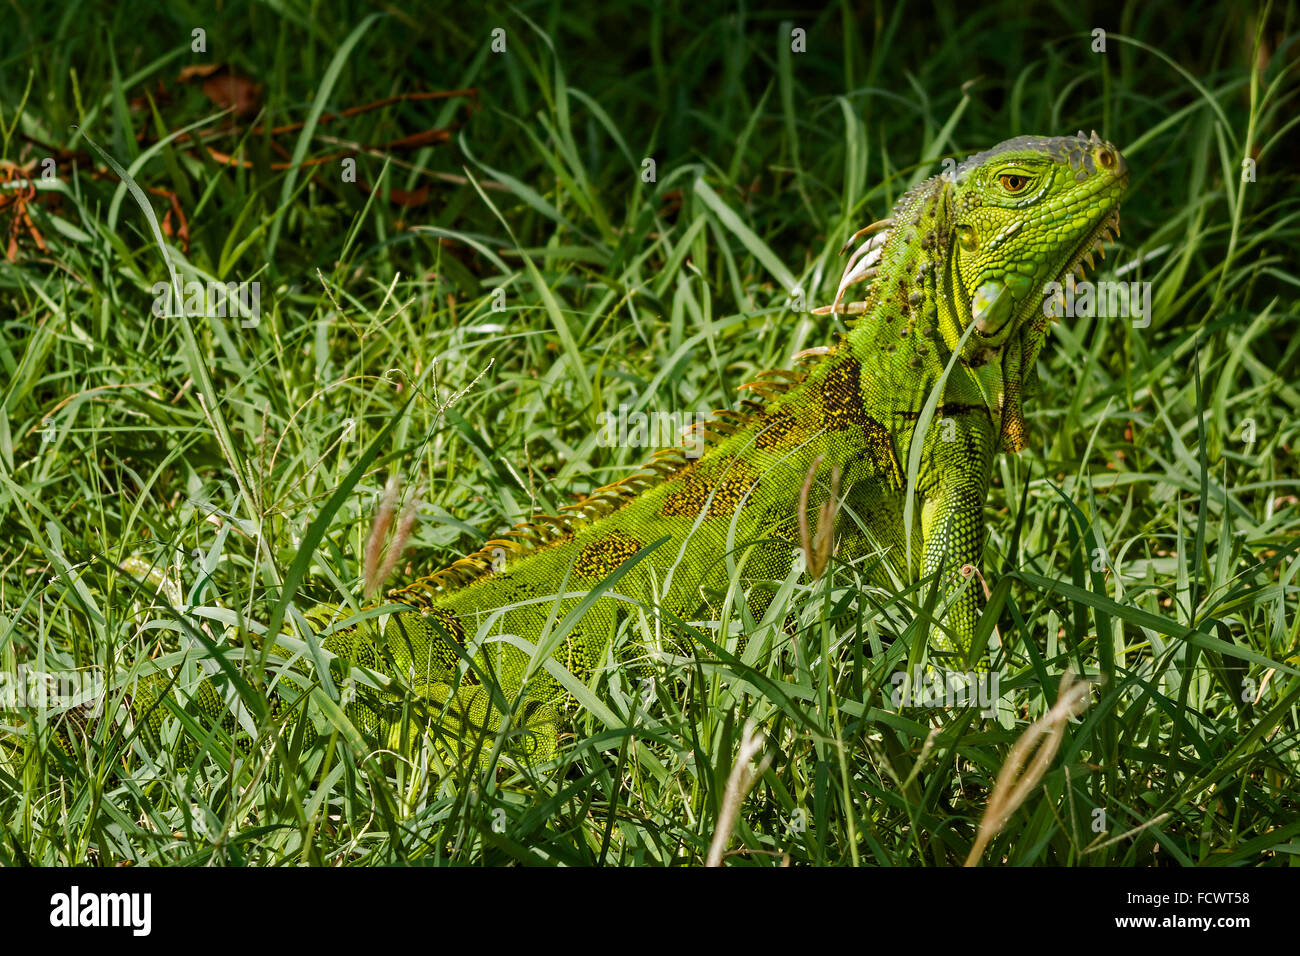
<point>1093,242</point>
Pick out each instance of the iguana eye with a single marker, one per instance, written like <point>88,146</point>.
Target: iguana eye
<point>1013,182</point>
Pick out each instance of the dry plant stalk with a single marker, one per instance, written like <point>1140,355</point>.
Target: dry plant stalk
<point>380,561</point>
<point>1014,781</point>
<point>739,783</point>
<point>818,545</point>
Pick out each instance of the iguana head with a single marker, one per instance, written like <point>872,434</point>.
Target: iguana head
<point>976,247</point>
<point>1020,216</point>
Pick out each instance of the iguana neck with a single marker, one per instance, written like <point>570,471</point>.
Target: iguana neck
<point>914,315</point>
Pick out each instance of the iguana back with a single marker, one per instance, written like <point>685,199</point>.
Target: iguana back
<point>671,532</point>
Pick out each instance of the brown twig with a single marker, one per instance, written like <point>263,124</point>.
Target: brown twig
<point>739,783</point>
<point>1041,740</point>
<point>818,545</point>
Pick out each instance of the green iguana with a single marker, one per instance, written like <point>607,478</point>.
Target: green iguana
<point>957,280</point>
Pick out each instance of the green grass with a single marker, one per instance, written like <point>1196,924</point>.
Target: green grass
<point>244,465</point>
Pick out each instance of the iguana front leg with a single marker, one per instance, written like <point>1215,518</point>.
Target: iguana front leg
<point>952,527</point>
<point>952,523</point>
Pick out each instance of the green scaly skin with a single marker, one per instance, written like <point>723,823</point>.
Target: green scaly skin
<point>962,266</point>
